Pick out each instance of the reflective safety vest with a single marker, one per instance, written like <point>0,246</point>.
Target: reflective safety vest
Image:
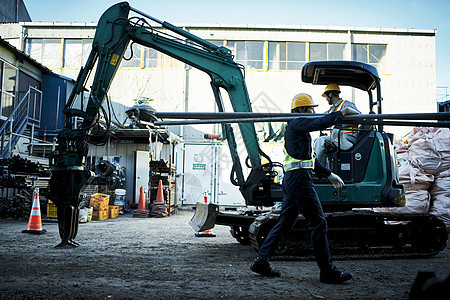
<point>346,129</point>
<point>338,108</point>
<point>291,163</point>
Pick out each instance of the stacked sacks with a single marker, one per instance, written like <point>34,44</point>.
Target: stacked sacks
<point>416,183</point>
<point>440,189</point>
<point>424,161</point>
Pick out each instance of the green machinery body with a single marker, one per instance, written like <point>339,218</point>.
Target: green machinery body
<point>370,174</point>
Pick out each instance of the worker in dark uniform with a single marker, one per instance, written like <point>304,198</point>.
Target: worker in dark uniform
<point>299,193</point>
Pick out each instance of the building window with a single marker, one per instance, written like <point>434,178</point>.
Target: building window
<point>249,53</point>
<point>326,51</point>
<point>287,55</point>
<point>373,54</point>
<point>76,52</point>
<point>154,59</point>
<point>8,78</point>
<point>45,51</point>
<point>151,58</point>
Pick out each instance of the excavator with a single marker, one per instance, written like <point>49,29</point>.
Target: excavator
<point>369,169</point>
<point>115,30</point>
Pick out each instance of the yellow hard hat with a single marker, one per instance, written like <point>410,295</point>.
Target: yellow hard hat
<point>331,87</point>
<point>302,100</point>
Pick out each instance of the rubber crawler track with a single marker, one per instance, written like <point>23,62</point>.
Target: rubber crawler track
<point>359,234</point>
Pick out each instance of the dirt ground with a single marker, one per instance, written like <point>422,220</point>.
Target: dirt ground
<point>160,258</point>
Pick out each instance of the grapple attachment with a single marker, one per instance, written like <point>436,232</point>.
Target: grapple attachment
<point>204,217</point>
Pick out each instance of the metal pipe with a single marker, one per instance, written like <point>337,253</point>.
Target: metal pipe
<point>10,136</point>
<point>224,121</point>
<point>232,115</point>
<point>286,119</point>
<point>403,123</point>
<point>226,115</point>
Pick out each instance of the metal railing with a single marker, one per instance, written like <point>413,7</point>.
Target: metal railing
<point>27,112</point>
<point>442,94</point>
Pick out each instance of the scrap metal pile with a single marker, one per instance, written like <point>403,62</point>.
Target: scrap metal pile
<point>16,189</point>
<point>18,165</point>
<point>17,206</point>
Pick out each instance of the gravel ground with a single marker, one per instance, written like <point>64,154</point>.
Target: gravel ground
<point>160,258</point>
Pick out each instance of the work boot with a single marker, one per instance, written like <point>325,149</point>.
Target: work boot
<point>262,267</point>
<point>334,276</point>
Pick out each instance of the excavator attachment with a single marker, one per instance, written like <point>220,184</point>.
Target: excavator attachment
<point>204,217</point>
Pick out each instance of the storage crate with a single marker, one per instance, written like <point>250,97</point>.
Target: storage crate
<point>113,211</point>
<point>99,201</point>
<point>51,210</point>
<point>100,215</point>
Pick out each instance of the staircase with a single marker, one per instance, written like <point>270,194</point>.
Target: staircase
<point>26,116</point>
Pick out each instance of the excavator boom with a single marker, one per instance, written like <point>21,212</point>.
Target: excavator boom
<point>115,30</point>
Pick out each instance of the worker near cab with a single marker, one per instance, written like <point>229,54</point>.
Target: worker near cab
<point>343,136</point>
<point>299,193</point>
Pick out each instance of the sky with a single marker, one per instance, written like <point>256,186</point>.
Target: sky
<point>417,14</point>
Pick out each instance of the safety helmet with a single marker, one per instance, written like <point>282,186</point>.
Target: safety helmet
<point>302,100</point>
<point>331,87</point>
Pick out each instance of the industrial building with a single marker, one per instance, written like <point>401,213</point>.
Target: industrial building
<point>272,55</point>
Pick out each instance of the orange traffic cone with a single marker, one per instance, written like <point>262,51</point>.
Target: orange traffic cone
<point>159,195</point>
<point>34,222</point>
<point>208,232</point>
<point>159,208</point>
<point>141,212</point>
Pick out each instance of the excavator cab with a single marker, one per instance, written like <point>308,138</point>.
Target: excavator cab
<point>369,168</point>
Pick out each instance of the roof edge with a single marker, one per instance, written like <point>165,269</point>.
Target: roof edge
<point>257,26</point>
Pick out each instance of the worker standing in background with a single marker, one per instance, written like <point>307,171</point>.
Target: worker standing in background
<point>346,135</point>
<point>299,193</point>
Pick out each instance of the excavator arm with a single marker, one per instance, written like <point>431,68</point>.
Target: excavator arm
<point>115,30</point>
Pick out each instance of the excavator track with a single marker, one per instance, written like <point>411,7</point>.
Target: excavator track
<point>361,234</point>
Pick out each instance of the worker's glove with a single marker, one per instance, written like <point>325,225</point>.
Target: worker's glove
<point>347,111</point>
<point>336,181</point>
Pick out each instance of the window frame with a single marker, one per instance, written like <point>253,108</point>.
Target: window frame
<point>2,88</point>
<point>245,60</point>
<point>278,52</point>
<point>381,66</point>
<point>327,49</point>
<point>86,47</point>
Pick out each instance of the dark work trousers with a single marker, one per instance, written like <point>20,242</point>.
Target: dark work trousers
<point>300,197</point>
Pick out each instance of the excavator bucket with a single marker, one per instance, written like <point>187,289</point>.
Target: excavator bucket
<point>204,217</point>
